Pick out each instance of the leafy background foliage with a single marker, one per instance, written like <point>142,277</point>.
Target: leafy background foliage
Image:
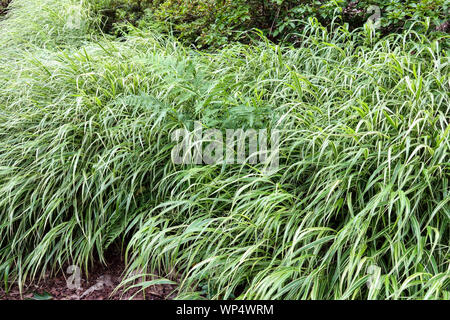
<point>216,22</point>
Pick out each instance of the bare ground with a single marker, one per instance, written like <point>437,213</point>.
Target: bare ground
<point>99,286</point>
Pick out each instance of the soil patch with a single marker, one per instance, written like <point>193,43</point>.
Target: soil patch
<point>99,286</point>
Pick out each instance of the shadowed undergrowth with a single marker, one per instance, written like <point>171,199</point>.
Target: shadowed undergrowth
<point>85,125</point>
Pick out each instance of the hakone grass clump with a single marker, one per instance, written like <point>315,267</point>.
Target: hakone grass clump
<point>360,205</point>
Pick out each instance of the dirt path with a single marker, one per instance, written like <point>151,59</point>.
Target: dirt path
<point>100,285</point>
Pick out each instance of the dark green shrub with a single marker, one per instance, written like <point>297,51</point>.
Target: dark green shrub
<point>217,22</point>
<point>401,14</point>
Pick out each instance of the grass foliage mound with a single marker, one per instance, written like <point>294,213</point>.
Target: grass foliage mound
<point>359,208</point>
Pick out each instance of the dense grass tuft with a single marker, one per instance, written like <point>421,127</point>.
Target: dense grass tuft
<point>85,125</point>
